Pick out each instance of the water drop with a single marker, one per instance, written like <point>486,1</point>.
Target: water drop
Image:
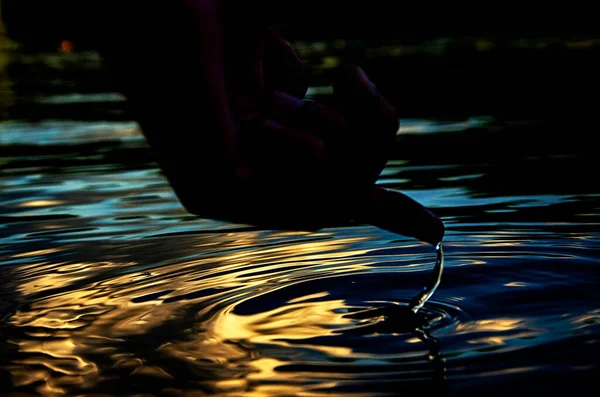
<point>419,300</point>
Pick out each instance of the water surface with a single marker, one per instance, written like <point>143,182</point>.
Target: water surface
<point>108,287</point>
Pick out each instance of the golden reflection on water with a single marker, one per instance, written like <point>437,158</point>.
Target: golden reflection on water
<point>41,276</point>
<point>516,284</point>
<point>40,203</point>
<point>495,332</point>
<point>85,324</point>
<point>500,324</point>
<point>291,322</point>
<point>53,364</point>
<point>586,321</point>
<point>79,312</point>
<point>37,253</point>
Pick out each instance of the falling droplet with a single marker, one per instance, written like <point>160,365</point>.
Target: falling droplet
<point>419,300</point>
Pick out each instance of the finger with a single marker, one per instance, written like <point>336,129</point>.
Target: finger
<point>283,68</point>
<point>398,213</point>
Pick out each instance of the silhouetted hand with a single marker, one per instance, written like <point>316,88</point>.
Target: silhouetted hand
<point>219,95</point>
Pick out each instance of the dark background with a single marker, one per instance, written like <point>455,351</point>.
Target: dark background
<point>525,62</point>
<point>44,21</point>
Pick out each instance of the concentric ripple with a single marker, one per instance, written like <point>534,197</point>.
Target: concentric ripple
<point>264,313</point>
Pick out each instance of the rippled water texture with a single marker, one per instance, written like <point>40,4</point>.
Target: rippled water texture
<point>109,287</point>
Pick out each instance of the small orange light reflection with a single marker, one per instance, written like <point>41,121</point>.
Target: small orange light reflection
<point>309,297</point>
<point>516,284</point>
<point>37,253</point>
<point>66,46</point>
<point>40,203</point>
<point>152,371</point>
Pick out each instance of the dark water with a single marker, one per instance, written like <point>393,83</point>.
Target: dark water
<point>108,287</point>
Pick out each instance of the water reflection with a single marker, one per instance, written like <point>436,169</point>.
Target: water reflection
<point>109,287</point>
<point>259,312</point>
<point>77,311</point>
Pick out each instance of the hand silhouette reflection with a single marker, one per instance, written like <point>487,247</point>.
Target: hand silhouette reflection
<point>218,93</point>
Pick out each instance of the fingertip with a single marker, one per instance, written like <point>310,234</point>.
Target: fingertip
<point>394,211</point>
